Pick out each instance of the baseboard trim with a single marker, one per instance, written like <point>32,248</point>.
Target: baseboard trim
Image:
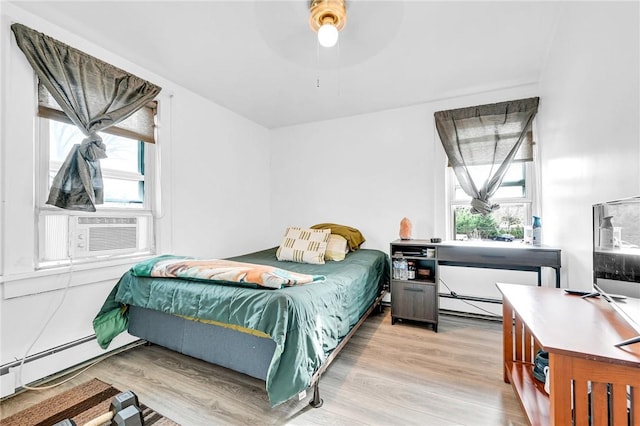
<point>46,365</point>
<point>4,369</point>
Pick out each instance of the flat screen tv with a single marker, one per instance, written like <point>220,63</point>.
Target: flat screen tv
<point>616,258</point>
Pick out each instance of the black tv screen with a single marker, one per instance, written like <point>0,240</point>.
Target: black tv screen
<point>616,266</point>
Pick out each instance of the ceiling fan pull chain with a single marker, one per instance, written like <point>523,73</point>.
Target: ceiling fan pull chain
<point>339,72</point>
<point>317,64</point>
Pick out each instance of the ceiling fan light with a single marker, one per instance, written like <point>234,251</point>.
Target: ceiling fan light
<point>328,35</point>
<point>327,18</point>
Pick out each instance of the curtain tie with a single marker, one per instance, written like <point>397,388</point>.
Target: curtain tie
<point>92,148</point>
<point>483,207</point>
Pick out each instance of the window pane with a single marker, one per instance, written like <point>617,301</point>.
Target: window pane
<point>62,137</point>
<point>515,173</point>
<point>460,194</point>
<point>503,224</point>
<point>116,190</point>
<point>480,174</point>
<point>513,184</point>
<point>124,156</point>
<point>509,192</point>
<point>502,192</point>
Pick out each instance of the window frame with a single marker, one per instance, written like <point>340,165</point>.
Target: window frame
<point>138,210</point>
<point>44,168</point>
<point>527,199</point>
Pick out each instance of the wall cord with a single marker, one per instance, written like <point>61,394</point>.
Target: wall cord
<point>44,327</point>
<point>455,295</point>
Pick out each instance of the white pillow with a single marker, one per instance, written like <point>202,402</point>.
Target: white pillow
<point>337,248</point>
<point>304,245</point>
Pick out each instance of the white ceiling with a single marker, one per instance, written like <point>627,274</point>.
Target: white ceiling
<point>261,60</point>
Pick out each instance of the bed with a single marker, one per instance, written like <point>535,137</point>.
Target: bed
<point>286,337</point>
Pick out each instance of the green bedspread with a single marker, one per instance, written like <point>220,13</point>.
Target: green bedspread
<point>306,321</point>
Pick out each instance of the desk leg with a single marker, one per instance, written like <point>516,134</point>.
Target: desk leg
<point>507,338</point>
<point>557,277</point>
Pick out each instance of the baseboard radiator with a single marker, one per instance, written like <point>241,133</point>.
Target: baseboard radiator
<point>51,362</point>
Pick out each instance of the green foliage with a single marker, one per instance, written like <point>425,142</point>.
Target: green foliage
<point>467,223</point>
<point>517,232</point>
<point>510,220</point>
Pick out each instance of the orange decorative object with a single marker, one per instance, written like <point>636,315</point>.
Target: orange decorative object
<point>405,229</point>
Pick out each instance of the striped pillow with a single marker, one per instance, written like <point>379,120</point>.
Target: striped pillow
<point>304,245</point>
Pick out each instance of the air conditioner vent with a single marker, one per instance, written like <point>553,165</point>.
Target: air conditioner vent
<point>112,238</point>
<point>104,235</point>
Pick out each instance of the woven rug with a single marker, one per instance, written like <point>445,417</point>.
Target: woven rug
<point>80,404</point>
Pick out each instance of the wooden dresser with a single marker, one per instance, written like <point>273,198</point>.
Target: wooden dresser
<point>589,376</point>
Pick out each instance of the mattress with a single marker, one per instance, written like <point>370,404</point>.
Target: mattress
<point>305,322</point>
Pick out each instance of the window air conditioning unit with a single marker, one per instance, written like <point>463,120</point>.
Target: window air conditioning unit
<point>98,236</point>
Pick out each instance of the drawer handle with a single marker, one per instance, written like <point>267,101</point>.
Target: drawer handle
<point>417,290</point>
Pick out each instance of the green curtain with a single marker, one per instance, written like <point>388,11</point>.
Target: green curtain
<point>494,134</point>
<point>94,95</point>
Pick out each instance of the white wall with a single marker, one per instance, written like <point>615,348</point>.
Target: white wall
<point>589,123</point>
<point>220,180</point>
<point>214,185</point>
<point>368,171</point>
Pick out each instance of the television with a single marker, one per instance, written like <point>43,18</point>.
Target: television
<point>616,258</point>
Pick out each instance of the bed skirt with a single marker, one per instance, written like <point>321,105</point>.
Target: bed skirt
<point>194,339</point>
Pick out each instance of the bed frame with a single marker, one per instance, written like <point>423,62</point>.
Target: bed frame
<point>316,401</point>
<point>192,338</point>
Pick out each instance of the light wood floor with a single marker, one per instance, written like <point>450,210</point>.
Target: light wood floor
<point>403,374</point>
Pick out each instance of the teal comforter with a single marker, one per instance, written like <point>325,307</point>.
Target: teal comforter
<point>306,321</point>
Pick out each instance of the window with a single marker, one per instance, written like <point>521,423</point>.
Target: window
<point>75,88</point>
<point>514,196</point>
<point>123,170</point>
<point>122,226</point>
<point>490,149</point>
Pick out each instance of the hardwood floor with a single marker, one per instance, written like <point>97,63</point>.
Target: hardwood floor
<point>403,374</point>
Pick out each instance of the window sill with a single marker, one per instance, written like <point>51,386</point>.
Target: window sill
<point>82,263</point>
<point>57,278</point>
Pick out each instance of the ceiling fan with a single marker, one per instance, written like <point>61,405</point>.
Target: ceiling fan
<point>291,29</point>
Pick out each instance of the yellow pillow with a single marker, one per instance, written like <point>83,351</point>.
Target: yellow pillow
<point>353,235</point>
<point>304,245</point>
<point>337,248</point>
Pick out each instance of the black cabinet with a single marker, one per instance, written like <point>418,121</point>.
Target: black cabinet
<point>414,281</point>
